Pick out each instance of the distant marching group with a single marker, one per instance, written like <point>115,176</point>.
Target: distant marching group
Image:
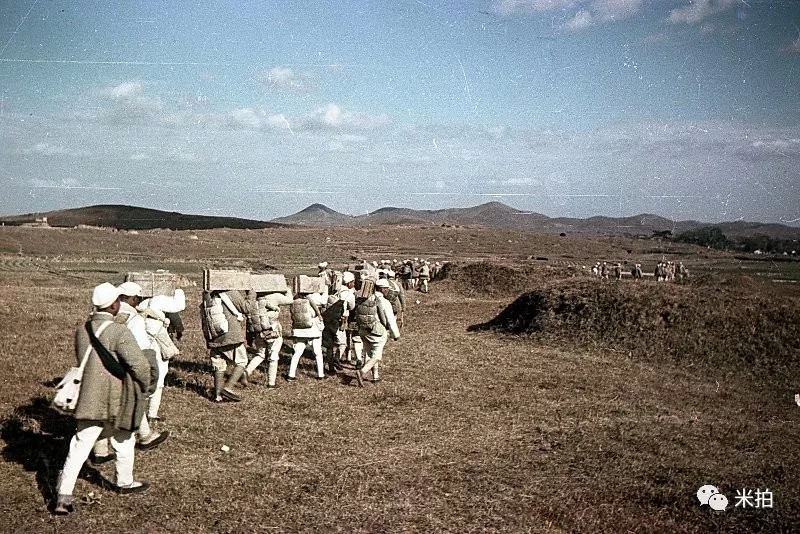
<point>665,271</point>
<point>125,346</point>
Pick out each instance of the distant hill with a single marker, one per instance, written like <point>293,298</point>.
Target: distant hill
<point>135,218</point>
<point>317,215</point>
<point>490,214</point>
<point>499,215</point>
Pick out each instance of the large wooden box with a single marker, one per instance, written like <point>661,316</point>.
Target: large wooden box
<point>367,289</point>
<point>308,284</point>
<point>223,280</point>
<point>155,283</point>
<point>268,282</point>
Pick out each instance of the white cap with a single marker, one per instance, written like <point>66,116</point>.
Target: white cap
<point>104,295</point>
<point>348,277</point>
<point>374,263</point>
<point>130,289</point>
<point>381,282</point>
<point>322,265</point>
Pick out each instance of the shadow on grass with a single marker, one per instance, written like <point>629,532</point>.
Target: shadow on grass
<point>37,437</point>
<point>190,383</point>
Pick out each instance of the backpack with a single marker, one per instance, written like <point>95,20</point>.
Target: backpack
<point>367,316</point>
<point>213,316</point>
<point>302,313</point>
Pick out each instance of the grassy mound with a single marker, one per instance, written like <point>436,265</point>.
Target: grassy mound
<point>689,324</point>
<point>487,279</point>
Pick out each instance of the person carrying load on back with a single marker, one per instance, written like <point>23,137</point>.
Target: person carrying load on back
<point>396,296</point>
<point>223,316</point>
<point>264,331</point>
<point>424,276</point>
<point>157,312</point>
<point>335,316</point>
<point>307,330</point>
<point>407,274</point>
<point>376,322</point>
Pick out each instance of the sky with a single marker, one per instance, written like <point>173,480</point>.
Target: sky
<point>256,109</point>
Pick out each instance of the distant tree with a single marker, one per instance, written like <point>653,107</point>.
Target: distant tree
<point>664,234</point>
<point>707,236</point>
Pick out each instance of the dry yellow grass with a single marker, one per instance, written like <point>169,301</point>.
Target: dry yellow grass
<point>467,432</point>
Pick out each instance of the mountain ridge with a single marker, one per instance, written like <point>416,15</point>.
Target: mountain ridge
<point>491,214</point>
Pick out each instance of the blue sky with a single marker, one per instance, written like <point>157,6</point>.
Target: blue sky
<point>690,110</point>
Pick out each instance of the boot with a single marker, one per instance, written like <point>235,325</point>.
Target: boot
<point>244,379</point>
<point>236,375</point>
<point>63,505</point>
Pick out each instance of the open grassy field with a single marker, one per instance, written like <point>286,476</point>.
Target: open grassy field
<point>607,420</point>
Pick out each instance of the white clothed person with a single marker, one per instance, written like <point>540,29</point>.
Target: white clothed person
<point>310,335</point>
<point>156,323</point>
<point>375,338</point>
<point>136,325</point>
<point>272,339</point>
<point>348,296</point>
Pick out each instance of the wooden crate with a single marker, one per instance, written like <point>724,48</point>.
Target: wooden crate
<point>155,283</point>
<point>308,284</point>
<point>263,283</point>
<point>367,289</point>
<point>223,280</point>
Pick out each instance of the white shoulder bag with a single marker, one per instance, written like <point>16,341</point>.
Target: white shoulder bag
<point>68,390</point>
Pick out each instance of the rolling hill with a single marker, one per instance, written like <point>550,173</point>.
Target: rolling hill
<point>135,218</point>
<point>490,215</point>
<point>317,215</point>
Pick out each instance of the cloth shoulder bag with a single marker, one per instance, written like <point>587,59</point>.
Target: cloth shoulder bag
<point>68,390</point>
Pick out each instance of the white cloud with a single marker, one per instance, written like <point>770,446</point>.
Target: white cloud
<point>699,10</point>
<point>613,10</point>
<point>285,79</point>
<point>513,7</point>
<point>123,91</point>
<point>588,14</point>
<point>603,11</point>
<point>248,118</point>
<point>129,101</point>
<point>139,157</point>
<point>582,20</point>
<point>332,116</point>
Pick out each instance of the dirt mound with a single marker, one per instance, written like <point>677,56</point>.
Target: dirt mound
<point>491,279</point>
<point>662,321</point>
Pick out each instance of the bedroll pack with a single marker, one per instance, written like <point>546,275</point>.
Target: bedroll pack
<point>213,316</point>
<point>394,299</point>
<point>367,313</point>
<point>302,314</point>
<point>254,323</point>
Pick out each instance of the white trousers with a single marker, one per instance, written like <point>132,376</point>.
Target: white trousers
<point>274,346</point>
<point>300,347</point>
<point>155,398</point>
<point>357,346</point>
<point>101,446</point>
<point>374,354</point>
<point>122,441</point>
